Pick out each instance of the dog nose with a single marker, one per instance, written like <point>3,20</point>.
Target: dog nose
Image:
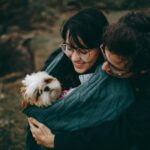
<point>46,89</point>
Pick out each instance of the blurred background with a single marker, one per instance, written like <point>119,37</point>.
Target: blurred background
<point>29,32</point>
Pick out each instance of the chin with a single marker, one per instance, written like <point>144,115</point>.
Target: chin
<point>40,89</point>
<point>80,70</point>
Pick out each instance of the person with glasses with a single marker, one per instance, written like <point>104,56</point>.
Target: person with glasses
<point>126,50</point>
<point>114,70</point>
<point>92,98</point>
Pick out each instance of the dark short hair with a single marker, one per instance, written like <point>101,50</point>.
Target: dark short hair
<point>140,24</point>
<point>138,21</point>
<point>120,39</point>
<point>88,24</point>
<point>130,38</point>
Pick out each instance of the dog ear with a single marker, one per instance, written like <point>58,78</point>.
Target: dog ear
<point>24,105</point>
<point>48,80</point>
<point>22,89</point>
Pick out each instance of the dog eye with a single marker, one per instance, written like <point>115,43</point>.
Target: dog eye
<point>46,88</point>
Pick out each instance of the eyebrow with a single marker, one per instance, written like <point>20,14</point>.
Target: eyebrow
<point>113,65</point>
<point>71,46</point>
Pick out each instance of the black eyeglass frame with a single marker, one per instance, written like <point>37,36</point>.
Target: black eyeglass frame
<point>84,54</point>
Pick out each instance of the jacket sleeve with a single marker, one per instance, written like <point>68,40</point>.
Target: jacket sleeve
<point>131,128</point>
<point>95,138</point>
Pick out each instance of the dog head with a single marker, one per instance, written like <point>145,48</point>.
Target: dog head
<point>40,89</point>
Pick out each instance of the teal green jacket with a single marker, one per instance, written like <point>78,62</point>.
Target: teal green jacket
<point>102,98</point>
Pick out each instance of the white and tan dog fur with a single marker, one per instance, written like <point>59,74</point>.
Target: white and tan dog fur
<point>40,89</point>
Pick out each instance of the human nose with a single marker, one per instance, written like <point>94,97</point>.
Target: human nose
<point>75,56</point>
<point>106,67</point>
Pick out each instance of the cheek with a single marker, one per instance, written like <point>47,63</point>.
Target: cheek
<point>93,57</point>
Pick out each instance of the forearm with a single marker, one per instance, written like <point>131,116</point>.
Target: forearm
<point>103,137</point>
<point>130,128</point>
<point>71,141</point>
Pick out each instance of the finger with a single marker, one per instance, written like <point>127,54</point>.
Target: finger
<point>35,132</point>
<point>38,128</point>
<point>30,124</point>
<point>36,139</point>
<point>38,142</point>
<point>34,122</point>
<point>34,136</point>
<point>45,130</point>
<point>34,129</point>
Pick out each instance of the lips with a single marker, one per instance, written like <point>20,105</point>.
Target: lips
<point>78,65</point>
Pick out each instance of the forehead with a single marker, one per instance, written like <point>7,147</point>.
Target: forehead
<point>115,59</point>
<point>74,41</point>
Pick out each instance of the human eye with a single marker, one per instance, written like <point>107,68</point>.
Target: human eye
<point>69,48</point>
<point>83,51</point>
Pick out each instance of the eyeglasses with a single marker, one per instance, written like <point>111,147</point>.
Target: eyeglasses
<point>122,73</point>
<point>82,53</point>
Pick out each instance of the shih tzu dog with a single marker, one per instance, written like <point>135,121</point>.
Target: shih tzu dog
<point>40,89</point>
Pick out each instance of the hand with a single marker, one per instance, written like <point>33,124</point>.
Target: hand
<point>41,133</point>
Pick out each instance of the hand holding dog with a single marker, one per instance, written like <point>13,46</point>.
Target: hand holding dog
<point>41,133</point>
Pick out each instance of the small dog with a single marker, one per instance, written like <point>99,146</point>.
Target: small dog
<point>40,89</point>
